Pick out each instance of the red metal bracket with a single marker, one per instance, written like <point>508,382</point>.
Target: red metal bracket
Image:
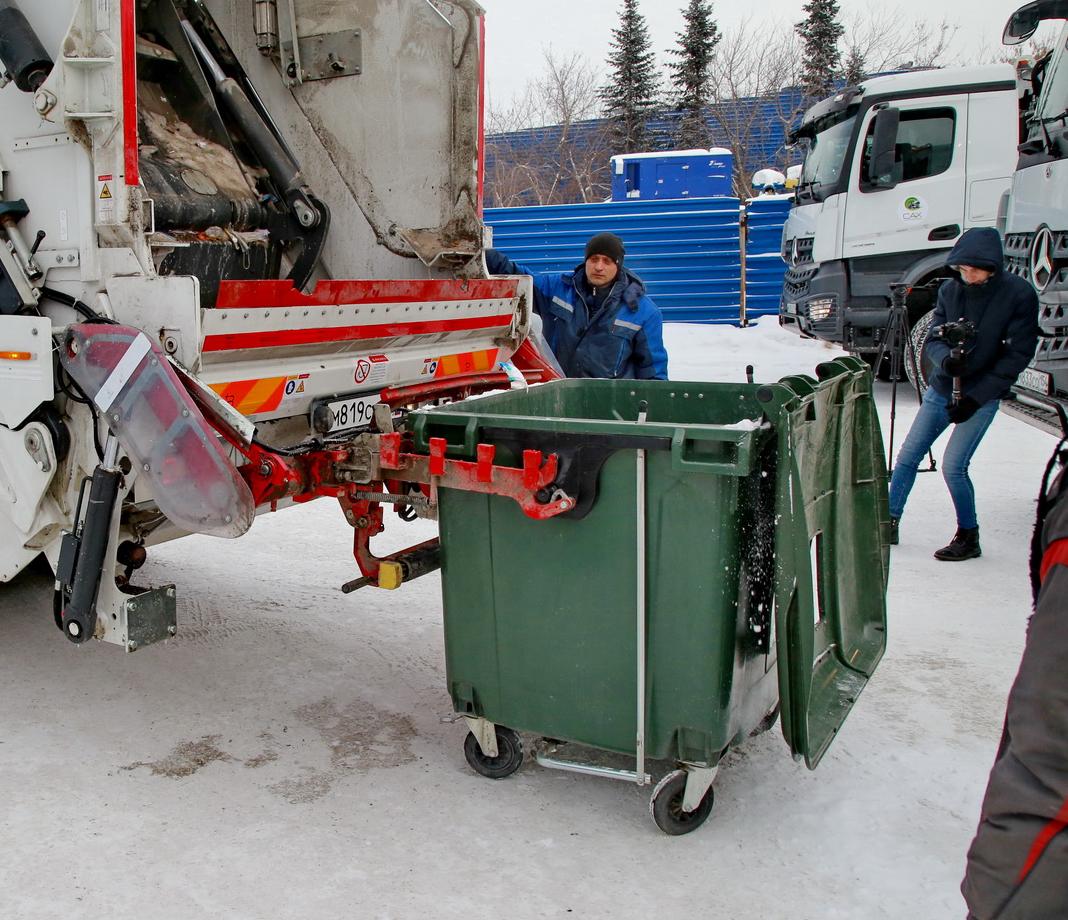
<point>527,486</point>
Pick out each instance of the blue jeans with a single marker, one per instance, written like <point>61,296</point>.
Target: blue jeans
<point>931,421</point>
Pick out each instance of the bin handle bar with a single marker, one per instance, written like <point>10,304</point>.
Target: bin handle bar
<point>639,464</point>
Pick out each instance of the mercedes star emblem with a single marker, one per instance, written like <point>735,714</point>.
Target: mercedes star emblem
<point>1042,259</point>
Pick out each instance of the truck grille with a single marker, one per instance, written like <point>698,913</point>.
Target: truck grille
<point>795,282</point>
<point>1018,254</point>
<point>798,250</point>
<point>1018,258</point>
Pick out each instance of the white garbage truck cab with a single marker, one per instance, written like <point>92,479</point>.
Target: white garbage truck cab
<point>1036,219</point>
<point>895,170</point>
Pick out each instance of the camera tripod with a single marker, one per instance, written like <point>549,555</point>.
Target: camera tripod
<point>899,345</point>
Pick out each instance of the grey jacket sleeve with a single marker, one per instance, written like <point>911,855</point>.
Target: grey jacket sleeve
<point>1016,864</point>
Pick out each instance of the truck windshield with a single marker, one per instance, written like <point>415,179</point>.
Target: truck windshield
<point>1052,108</point>
<point>826,157</point>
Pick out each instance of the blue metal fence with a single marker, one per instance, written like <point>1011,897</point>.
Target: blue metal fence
<point>764,267</point>
<point>687,251</point>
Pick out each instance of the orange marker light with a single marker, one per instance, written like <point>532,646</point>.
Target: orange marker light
<point>16,356</point>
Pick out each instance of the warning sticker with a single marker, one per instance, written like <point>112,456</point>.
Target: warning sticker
<point>371,371</point>
<point>295,386</point>
<point>105,199</point>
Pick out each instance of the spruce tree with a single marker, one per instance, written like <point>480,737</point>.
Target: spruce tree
<point>629,97</point>
<point>690,74</point>
<point>819,32</point>
<point>854,67</point>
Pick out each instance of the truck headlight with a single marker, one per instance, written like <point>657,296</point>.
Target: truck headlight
<point>820,308</point>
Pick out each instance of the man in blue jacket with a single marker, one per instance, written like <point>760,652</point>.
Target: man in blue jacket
<point>1004,311</point>
<point>597,319</point>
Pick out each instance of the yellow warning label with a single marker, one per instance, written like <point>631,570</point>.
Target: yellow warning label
<point>105,192</point>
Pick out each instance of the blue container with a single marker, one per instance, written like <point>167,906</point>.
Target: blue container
<point>672,174</point>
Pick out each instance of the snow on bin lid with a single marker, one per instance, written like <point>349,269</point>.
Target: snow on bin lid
<point>666,154</point>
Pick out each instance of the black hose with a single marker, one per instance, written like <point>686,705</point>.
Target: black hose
<point>65,384</point>
<point>75,304</point>
<point>297,451</point>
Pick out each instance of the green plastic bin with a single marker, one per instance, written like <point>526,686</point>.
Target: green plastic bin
<point>764,536</point>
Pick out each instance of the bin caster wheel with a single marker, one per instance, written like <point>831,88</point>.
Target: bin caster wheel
<point>509,754</point>
<point>666,806</point>
<point>767,723</point>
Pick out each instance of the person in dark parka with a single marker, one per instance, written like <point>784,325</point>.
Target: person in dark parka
<point>1018,862</point>
<point>1004,309</point>
<point>597,319</point>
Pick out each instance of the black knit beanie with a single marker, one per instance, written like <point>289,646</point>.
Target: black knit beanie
<point>606,244</point>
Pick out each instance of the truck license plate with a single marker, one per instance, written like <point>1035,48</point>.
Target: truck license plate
<point>1039,381</point>
<point>791,307</point>
<point>352,411</point>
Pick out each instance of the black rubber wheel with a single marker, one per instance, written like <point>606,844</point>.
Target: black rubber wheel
<point>881,369</point>
<point>666,806</point>
<point>767,723</point>
<point>509,754</point>
<point>920,370</point>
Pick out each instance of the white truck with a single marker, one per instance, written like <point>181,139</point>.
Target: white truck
<point>1036,221</point>
<point>188,189</point>
<point>894,171</point>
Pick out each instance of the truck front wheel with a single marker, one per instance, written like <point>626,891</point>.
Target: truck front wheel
<point>917,366</point>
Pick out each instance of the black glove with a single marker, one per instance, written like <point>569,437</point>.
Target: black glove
<point>962,411</point>
<point>955,367</point>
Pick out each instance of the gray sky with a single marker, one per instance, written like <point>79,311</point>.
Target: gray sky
<point>518,30</point>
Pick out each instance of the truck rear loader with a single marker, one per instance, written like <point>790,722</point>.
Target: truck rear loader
<point>235,236</point>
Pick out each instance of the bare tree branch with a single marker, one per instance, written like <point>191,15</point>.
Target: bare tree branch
<point>752,67</point>
<point>547,146</point>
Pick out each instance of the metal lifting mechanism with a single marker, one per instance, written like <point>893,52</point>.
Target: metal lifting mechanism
<point>148,403</point>
<point>376,469</point>
<point>81,559</point>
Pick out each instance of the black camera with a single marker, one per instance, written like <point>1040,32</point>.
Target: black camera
<point>955,335</point>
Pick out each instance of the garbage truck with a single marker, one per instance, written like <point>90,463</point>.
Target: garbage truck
<point>233,234</point>
<point>895,170</point>
<point>1035,227</point>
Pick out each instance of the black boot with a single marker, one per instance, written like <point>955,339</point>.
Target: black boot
<point>893,531</point>
<point>965,545</point>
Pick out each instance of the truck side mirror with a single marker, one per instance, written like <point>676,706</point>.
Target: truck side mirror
<point>1025,21</point>
<point>881,161</point>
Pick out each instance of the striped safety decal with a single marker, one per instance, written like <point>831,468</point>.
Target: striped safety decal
<point>469,363</point>
<point>252,396</point>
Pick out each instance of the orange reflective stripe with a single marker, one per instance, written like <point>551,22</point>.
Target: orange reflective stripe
<point>1051,830</point>
<point>1056,554</point>
<point>471,362</point>
<point>253,396</point>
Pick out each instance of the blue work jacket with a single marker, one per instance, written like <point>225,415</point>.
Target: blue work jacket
<point>623,338</point>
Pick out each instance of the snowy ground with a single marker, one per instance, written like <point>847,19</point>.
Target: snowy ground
<point>285,757</point>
